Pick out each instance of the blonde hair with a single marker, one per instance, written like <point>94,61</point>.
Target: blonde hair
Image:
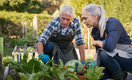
<point>100,12</point>
<point>68,10</point>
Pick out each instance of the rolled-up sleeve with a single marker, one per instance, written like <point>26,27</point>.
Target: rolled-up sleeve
<point>78,34</point>
<point>45,35</point>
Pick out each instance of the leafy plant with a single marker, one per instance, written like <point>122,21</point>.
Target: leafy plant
<point>72,63</point>
<point>94,73</point>
<point>11,24</point>
<point>31,6</point>
<point>60,73</point>
<point>30,49</point>
<point>35,70</point>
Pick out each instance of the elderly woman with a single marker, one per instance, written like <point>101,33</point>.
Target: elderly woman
<point>113,45</point>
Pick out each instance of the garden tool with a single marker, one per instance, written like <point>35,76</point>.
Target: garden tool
<point>76,65</point>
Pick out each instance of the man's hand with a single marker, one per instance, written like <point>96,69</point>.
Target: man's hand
<point>92,64</point>
<point>45,58</point>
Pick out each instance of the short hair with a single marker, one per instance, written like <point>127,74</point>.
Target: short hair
<point>68,10</point>
<point>94,10</point>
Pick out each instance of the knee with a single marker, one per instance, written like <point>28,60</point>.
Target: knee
<point>48,47</point>
<point>103,55</point>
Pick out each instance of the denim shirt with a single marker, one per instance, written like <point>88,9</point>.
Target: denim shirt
<point>116,34</point>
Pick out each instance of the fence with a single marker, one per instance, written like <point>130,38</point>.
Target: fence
<point>1,45</point>
<point>1,69</point>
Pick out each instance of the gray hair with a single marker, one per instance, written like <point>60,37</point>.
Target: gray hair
<point>68,10</point>
<point>100,12</point>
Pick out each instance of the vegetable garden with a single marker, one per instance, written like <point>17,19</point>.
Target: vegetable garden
<point>22,67</point>
<point>23,62</point>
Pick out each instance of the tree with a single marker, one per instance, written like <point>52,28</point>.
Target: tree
<point>30,6</point>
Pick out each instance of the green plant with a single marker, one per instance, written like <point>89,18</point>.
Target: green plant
<point>34,69</point>
<point>31,6</point>
<point>72,63</point>
<point>30,49</point>
<point>11,24</point>
<point>60,73</point>
<point>94,73</point>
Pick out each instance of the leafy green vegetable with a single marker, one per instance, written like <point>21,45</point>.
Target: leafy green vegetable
<point>33,76</point>
<point>94,73</point>
<point>7,60</point>
<point>72,63</point>
<point>60,73</point>
<point>35,70</point>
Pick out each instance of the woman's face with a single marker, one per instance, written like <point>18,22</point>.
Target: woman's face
<point>88,20</point>
<point>65,20</point>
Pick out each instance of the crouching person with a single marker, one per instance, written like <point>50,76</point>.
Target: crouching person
<point>56,40</point>
<point>113,45</point>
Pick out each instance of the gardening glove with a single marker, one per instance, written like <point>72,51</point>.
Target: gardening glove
<point>83,63</point>
<point>45,58</point>
<point>91,64</point>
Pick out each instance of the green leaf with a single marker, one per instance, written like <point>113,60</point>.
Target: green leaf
<point>33,66</point>
<point>9,78</point>
<point>71,75</point>
<point>42,75</point>
<point>62,77</point>
<point>94,73</point>
<point>60,66</point>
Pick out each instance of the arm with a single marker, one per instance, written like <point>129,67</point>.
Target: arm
<point>95,57</point>
<point>79,39</point>
<point>39,47</point>
<point>45,58</point>
<point>42,41</point>
<point>43,38</point>
<point>97,43</point>
<point>82,52</point>
<point>114,31</point>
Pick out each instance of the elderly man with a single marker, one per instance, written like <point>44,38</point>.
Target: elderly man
<point>56,40</point>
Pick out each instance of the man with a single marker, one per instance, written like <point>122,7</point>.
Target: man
<point>57,38</point>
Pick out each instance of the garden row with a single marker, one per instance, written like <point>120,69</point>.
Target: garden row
<point>34,69</point>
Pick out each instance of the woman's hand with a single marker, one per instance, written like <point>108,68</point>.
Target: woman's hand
<point>97,43</point>
<point>94,43</point>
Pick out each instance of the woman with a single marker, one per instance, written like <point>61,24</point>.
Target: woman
<point>113,45</point>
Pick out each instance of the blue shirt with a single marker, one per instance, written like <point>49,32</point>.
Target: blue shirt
<point>116,34</point>
<point>54,27</point>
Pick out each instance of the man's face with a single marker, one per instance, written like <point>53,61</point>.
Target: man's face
<point>65,20</point>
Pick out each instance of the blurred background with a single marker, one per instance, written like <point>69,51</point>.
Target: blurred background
<point>22,21</point>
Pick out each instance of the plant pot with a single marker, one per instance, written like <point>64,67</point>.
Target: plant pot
<point>80,75</point>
